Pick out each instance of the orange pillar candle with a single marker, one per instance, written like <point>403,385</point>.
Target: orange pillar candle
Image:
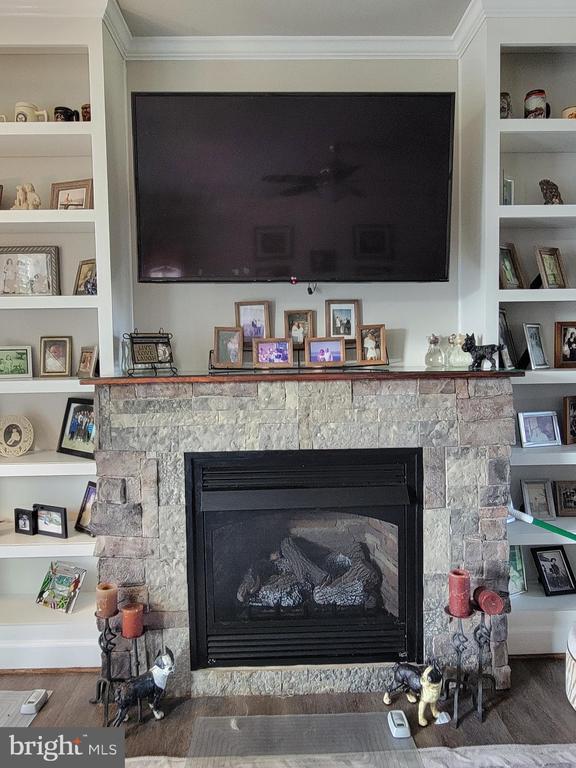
<point>106,600</point>
<point>488,601</point>
<point>459,593</point>
<point>132,620</point>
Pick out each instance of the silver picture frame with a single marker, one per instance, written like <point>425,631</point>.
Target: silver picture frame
<point>544,508</point>
<point>539,429</point>
<point>29,270</point>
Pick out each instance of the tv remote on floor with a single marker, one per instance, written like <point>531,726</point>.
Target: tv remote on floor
<point>398,724</point>
<point>34,702</point>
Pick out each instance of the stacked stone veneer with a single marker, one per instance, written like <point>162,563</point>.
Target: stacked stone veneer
<point>465,427</point>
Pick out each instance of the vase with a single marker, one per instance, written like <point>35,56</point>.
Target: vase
<point>435,356</point>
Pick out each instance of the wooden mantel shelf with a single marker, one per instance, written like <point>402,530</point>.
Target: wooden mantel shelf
<point>302,374</point>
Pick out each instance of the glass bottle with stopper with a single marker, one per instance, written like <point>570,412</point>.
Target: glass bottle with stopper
<point>435,355</point>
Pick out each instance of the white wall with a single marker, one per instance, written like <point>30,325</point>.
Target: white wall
<point>410,311</point>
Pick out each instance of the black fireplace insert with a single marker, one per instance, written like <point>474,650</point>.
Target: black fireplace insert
<point>304,556</point>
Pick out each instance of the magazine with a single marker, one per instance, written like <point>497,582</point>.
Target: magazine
<point>61,586</point>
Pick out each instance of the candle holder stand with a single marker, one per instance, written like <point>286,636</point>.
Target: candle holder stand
<point>105,684</point>
<point>461,681</point>
<point>135,669</point>
<point>482,639</point>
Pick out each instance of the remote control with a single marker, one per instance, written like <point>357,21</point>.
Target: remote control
<point>34,702</point>
<point>398,724</point>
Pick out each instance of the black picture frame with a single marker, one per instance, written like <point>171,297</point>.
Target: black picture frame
<point>30,515</point>
<point>78,525</point>
<point>60,512</point>
<point>72,402</point>
<point>545,577</point>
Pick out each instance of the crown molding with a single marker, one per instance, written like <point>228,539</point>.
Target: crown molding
<point>58,8</point>
<point>526,9</point>
<point>119,31</point>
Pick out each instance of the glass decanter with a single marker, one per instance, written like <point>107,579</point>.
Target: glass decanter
<point>435,355</point>
<point>457,358</point>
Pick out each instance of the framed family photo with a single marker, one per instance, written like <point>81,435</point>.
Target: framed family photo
<point>539,428</point>
<point>371,345</point>
<point>51,521</point>
<point>29,270</point>
<point>88,362</point>
<point>56,356</point>
<point>15,362</point>
<point>299,325</point>
<point>228,348</point>
<point>538,498</point>
<point>254,319</point>
<point>324,352</point>
<point>72,195</point>
<point>535,346</point>
<point>511,274</point>
<point>85,283</point>
<point>565,498</point>
<point>342,318</point>
<point>565,344</point>
<point>85,514</point>
<point>551,268</point>
<point>272,353</point>
<point>78,433</point>
<point>554,571</point>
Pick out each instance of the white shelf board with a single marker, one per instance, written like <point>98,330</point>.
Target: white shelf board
<point>42,386</point>
<point>45,139</point>
<point>538,294</point>
<point>45,464</point>
<point>545,376</point>
<point>23,610</point>
<point>537,216</point>
<point>541,457</point>
<point>47,220</point>
<point>48,302</point>
<point>529,136</point>
<point>17,545</point>
<point>530,535</point>
<point>535,600</point>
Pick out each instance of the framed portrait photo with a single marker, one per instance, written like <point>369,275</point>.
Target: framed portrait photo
<point>88,362</point>
<point>52,521</point>
<point>56,356</point>
<point>78,433</point>
<point>324,352</point>
<point>554,570</point>
<point>539,428</point>
<point>16,362</point>
<point>254,319</point>
<point>538,498</point>
<point>16,435</point>
<point>272,353</point>
<point>511,274</point>
<point>85,283</point>
<point>25,522</point>
<point>551,267</point>
<point>29,270</point>
<point>371,345</point>
<point>569,419</point>
<point>342,318</point>
<point>72,195</point>
<point>228,348</point>
<point>535,346</point>
<point>299,325</point>
<point>508,355</point>
<point>565,344</point>
<point>565,498</point>
<point>85,514</point>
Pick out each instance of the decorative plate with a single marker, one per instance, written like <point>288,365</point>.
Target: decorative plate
<point>16,435</point>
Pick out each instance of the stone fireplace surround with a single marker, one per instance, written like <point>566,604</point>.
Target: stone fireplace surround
<point>464,423</point>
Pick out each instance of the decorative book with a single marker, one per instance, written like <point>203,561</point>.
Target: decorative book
<point>61,586</point>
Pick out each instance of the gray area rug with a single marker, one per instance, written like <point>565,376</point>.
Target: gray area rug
<point>10,703</point>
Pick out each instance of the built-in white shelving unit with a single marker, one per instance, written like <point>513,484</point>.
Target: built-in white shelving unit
<point>542,457</point>
<point>46,464</point>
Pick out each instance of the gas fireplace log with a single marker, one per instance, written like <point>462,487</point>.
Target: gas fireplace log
<point>304,569</point>
<point>357,586</point>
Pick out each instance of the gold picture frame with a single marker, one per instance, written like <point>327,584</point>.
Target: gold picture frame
<point>72,195</point>
<point>343,316</point>
<point>551,268</point>
<point>320,351</point>
<point>371,343</point>
<point>218,359</point>
<point>264,348</point>
<point>251,317</point>
<point>55,356</point>
<point>307,316</point>
<point>512,276</point>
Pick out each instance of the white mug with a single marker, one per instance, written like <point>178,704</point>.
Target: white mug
<point>25,112</point>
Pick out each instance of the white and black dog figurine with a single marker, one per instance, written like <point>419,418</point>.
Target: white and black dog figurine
<point>151,685</point>
<point>422,685</point>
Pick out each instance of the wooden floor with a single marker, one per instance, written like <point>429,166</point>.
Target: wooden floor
<point>535,711</point>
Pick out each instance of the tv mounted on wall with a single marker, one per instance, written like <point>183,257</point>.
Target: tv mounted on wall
<point>339,187</point>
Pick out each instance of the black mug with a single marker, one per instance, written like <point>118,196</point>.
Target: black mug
<point>65,114</point>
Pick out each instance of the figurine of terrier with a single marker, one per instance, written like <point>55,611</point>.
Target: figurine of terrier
<point>480,353</point>
<point>151,685</point>
<point>422,686</point>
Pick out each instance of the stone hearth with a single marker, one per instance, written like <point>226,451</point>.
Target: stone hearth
<point>465,426</point>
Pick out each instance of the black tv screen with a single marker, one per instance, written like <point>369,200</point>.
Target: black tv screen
<point>271,187</point>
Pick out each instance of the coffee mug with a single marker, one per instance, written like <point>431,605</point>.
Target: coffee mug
<point>25,112</point>
<point>569,113</point>
<point>86,113</point>
<point>535,105</point>
<point>65,114</point>
<point>505,106</point>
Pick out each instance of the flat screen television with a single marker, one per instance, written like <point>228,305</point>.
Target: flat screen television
<point>253,187</point>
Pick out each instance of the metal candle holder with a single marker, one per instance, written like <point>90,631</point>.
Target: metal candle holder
<point>107,643</point>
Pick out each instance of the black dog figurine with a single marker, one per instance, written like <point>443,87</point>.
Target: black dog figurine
<point>151,685</point>
<point>422,685</point>
<point>479,354</point>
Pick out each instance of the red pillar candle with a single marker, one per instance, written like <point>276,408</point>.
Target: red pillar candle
<point>132,620</point>
<point>459,593</point>
<point>106,600</point>
<point>488,601</point>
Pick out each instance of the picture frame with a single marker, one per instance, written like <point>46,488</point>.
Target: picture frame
<point>538,499</point>
<point>272,353</point>
<point>569,419</point>
<point>254,319</point>
<point>517,583</point>
<point>151,350</point>
<point>535,346</point>
<point>88,362</point>
<point>228,349</point>
<point>507,190</point>
<point>551,267</point>
<point>565,492</point>
<point>371,345</point>
<point>85,283</point>
<point>299,325</point>
<point>554,570</point>
<point>565,344</point>
<point>61,586</point>
<point>325,352</point>
<point>84,518</point>
<point>342,318</point>
<point>51,521</point>
<point>25,522</point>
<point>55,356</point>
<point>29,270</point>
<point>16,435</point>
<point>508,355</point>
<point>16,362</point>
<point>539,428</point>
<point>511,274</point>
<point>78,433</point>
<point>74,195</point>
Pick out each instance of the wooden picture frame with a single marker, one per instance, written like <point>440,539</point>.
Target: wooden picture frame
<point>565,496</point>
<point>218,360</point>
<point>551,278</point>
<point>16,362</point>
<point>265,347</point>
<point>565,344</point>
<point>29,270</point>
<point>544,487</point>
<point>533,426</point>
<point>511,274</point>
<point>378,332</point>
<point>45,516</point>
<point>84,518</point>
<point>307,316</point>
<point>569,419</point>
<point>53,361</point>
<point>554,571</point>
<point>87,362</point>
<point>535,346</point>
<point>86,272</point>
<point>346,323</point>
<point>72,441</point>
<point>313,347</point>
<point>76,195</point>
<point>254,319</point>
